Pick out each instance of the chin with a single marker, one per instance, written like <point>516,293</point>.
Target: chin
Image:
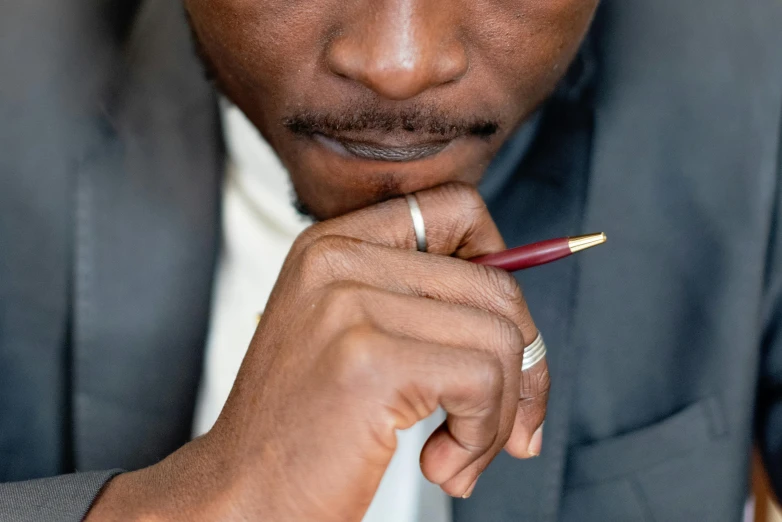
<point>332,179</point>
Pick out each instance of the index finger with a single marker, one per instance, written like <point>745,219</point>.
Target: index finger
<point>456,219</point>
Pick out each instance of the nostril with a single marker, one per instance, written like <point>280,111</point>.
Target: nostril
<point>453,65</point>
<point>344,61</point>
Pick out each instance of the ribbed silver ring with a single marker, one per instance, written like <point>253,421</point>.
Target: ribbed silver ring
<point>418,223</point>
<point>534,353</point>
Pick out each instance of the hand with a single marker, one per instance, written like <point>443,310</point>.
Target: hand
<point>362,336</point>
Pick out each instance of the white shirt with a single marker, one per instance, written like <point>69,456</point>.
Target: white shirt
<point>259,226</point>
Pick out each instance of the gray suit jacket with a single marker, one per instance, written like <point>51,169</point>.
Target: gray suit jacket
<point>665,347</point>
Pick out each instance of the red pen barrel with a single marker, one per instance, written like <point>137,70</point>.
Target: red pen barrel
<point>527,256</point>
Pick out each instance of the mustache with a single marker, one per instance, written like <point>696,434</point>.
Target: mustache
<point>414,120</point>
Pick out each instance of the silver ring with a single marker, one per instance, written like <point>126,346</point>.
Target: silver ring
<point>534,353</point>
<point>418,223</point>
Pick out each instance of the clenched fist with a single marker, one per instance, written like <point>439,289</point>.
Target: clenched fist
<point>362,336</point>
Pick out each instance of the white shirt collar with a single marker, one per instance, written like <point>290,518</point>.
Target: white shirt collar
<point>258,172</point>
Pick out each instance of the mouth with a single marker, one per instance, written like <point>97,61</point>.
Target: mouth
<point>374,151</point>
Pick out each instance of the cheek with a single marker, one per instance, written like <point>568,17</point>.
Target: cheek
<point>261,44</point>
<point>264,49</point>
<point>529,43</point>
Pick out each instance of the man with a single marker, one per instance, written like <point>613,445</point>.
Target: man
<point>663,348</point>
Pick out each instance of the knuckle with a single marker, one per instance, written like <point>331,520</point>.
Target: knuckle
<point>495,376</point>
<point>342,294</point>
<point>356,355</point>
<point>506,299</point>
<point>505,289</point>
<point>341,304</point>
<point>465,196</point>
<point>472,209</point>
<point>508,337</point>
<point>484,386</point>
<point>490,377</point>
<point>304,239</point>
<point>325,255</point>
<point>462,212</point>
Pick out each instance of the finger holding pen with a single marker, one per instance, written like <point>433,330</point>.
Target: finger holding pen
<point>362,336</point>
<point>363,247</point>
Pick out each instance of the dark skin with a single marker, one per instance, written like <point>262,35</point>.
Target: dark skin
<point>364,101</point>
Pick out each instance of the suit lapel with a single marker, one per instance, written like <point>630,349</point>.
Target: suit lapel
<point>146,241</point>
<point>52,64</point>
<point>670,153</point>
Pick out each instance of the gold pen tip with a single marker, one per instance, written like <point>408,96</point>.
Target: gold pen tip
<point>579,243</point>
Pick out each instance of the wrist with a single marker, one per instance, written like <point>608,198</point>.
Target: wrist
<point>188,485</point>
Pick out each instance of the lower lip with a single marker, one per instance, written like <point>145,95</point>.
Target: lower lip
<point>371,152</point>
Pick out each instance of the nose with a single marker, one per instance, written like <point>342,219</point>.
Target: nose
<point>399,48</point>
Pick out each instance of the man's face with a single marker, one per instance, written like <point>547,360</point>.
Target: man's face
<point>368,99</point>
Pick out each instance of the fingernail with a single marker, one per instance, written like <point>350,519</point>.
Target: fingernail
<point>536,442</point>
<point>472,487</point>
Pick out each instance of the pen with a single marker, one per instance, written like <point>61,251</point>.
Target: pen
<point>540,253</point>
